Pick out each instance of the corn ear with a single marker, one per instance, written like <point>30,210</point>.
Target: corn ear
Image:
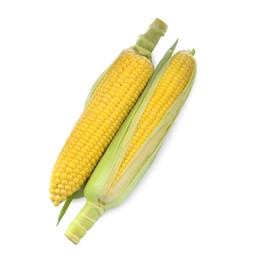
<point>103,191</point>
<point>110,100</point>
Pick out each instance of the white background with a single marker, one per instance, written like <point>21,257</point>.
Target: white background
<point>196,201</point>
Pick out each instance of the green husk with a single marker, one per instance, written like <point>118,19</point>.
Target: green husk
<point>146,154</point>
<point>102,178</point>
<point>119,145</point>
<point>100,191</point>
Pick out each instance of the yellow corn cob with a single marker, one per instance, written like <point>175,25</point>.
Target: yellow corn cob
<point>169,88</point>
<point>138,141</point>
<point>112,98</point>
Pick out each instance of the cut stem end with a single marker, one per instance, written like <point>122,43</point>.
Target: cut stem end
<point>86,218</point>
<point>74,239</point>
<point>147,41</point>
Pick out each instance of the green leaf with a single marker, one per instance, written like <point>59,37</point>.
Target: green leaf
<point>76,195</point>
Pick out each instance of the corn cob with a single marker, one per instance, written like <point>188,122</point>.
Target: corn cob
<point>138,140</point>
<point>109,102</point>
